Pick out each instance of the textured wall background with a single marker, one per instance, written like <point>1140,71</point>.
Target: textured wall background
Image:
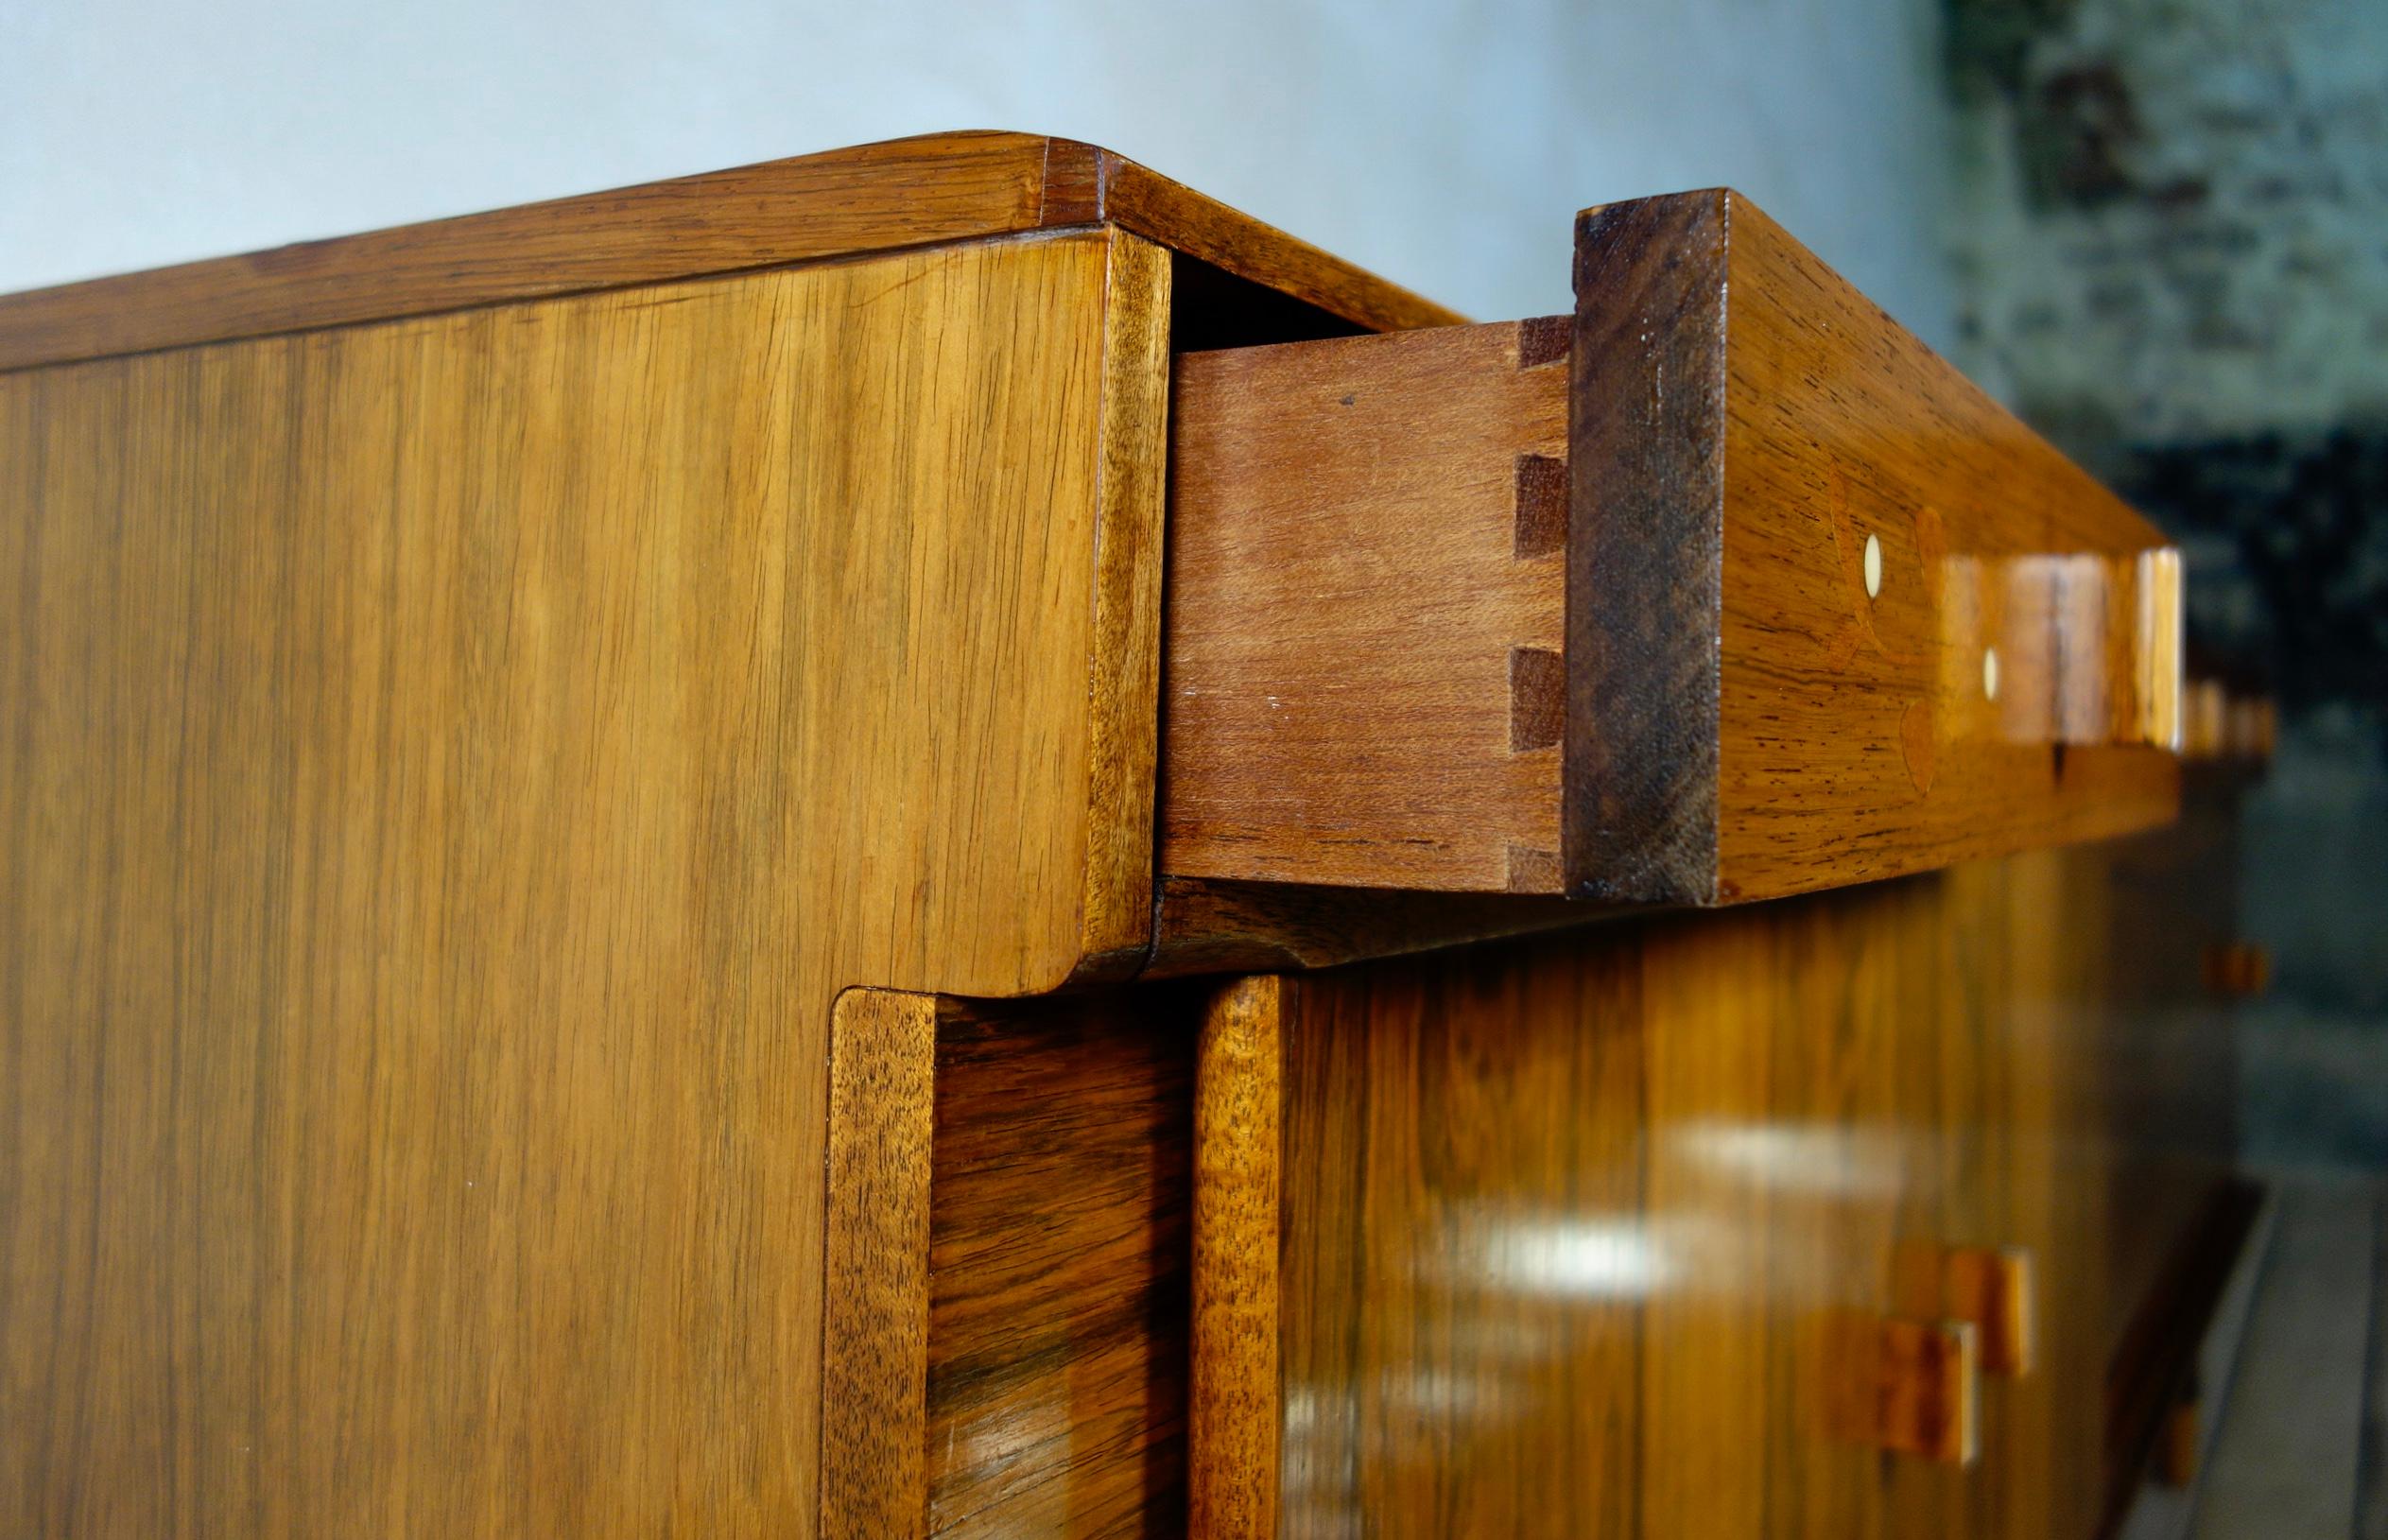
<point>2171,237</point>
<point>2170,213</point>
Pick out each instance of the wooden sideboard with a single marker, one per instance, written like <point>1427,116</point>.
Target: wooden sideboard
<point>940,840</point>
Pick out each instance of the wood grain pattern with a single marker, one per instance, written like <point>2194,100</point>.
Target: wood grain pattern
<point>874,1287</point>
<point>1813,1072</point>
<point>1233,1434</point>
<point>1123,657</point>
<point>1463,1246</point>
<point>843,202</point>
<point>1745,720</point>
<point>1634,654</point>
<point>455,766</point>
<point>1573,1228</point>
<point>1347,598</point>
<point>1645,469</point>
<point>1058,1262</point>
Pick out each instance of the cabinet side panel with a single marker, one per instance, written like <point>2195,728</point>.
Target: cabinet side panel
<point>450,768</point>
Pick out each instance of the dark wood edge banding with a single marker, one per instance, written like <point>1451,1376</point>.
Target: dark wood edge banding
<point>1207,925</point>
<point>1123,658</point>
<point>1086,183</point>
<point>1645,566</point>
<point>874,1265</point>
<point>928,190</point>
<point>1233,1407</point>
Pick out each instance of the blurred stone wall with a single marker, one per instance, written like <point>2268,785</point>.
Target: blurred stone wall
<point>2172,254</point>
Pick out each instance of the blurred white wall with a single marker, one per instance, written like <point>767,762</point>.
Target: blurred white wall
<point>1447,145</point>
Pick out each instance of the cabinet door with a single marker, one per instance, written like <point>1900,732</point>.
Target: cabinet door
<point>1729,1224</point>
<point>2025,973</point>
<point>1796,1381</point>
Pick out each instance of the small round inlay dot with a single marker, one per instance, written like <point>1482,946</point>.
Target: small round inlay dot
<point>1990,672</point>
<point>1873,566</point>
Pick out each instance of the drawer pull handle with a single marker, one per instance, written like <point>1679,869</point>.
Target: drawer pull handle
<point>1988,1287</point>
<point>1991,1288</point>
<point>1904,1385</point>
<point>2237,969</point>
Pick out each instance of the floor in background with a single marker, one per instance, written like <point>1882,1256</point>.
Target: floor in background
<point>2298,1412</point>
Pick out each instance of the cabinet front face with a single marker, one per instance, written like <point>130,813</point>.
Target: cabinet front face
<point>536,780</point>
<point>451,767</point>
<point>1786,1222</point>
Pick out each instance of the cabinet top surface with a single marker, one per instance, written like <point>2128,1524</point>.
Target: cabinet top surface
<point>869,197</point>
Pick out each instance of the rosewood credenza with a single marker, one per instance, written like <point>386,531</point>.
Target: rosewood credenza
<point>940,840</point>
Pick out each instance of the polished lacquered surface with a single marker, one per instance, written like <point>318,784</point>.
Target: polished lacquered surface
<point>1609,1232</point>
<point>1058,1257</point>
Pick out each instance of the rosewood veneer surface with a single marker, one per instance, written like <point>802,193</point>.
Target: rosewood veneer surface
<point>703,859</point>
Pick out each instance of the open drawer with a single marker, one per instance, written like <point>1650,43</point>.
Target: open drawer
<point>1723,588</point>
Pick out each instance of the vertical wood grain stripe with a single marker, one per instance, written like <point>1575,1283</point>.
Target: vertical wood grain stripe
<point>1124,663</point>
<point>1234,1411</point>
<point>874,1313</point>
